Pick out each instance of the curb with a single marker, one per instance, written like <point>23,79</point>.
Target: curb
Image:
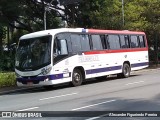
<point>145,70</point>
<point>12,89</point>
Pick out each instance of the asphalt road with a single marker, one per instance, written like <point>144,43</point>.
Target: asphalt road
<point>140,92</point>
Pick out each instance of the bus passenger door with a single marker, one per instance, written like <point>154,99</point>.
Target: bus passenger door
<point>60,56</point>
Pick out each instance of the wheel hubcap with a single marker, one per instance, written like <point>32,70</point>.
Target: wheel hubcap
<point>126,70</point>
<point>77,77</point>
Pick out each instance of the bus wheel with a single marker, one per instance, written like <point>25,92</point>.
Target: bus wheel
<point>126,70</point>
<point>77,77</point>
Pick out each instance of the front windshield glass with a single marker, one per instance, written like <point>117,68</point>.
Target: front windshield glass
<point>33,53</point>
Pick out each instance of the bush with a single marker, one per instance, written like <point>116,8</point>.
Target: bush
<point>7,79</point>
<point>7,60</point>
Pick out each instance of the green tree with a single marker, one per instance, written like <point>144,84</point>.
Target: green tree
<point>134,15</point>
<point>28,15</point>
<point>152,14</point>
<point>104,14</point>
<point>2,36</point>
<point>21,17</point>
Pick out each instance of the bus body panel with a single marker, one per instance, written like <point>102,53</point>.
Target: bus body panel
<point>101,65</point>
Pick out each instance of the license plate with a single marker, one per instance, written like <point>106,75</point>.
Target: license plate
<point>29,83</point>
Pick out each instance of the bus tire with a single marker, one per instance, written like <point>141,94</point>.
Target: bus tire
<point>126,70</point>
<point>77,77</point>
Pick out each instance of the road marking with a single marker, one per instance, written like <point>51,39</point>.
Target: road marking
<point>93,118</point>
<point>134,83</point>
<point>28,109</point>
<point>92,105</point>
<point>58,96</point>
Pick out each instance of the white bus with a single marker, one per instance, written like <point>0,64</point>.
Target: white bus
<point>74,54</point>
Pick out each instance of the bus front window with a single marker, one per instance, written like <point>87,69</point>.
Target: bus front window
<point>33,53</point>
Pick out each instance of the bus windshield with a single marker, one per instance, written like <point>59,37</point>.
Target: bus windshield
<point>33,53</point>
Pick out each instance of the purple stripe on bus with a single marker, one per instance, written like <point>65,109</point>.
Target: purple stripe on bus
<point>107,69</point>
<point>139,64</point>
<point>37,79</point>
<point>99,70</point>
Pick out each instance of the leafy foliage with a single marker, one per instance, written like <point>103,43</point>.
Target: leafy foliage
<point>27,14</point>
<point>7,79</point>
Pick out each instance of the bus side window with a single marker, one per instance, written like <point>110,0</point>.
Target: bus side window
<point>60,47</point>
<point>124,41</point>
<point>85,43</point>
<point>96,42</point>
<point>134,41</point>
<point>76,43</point>
<point>113,42</point>
<point>63,47</point>
<point>142,41</point>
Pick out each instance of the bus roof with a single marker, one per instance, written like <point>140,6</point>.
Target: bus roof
<point>50,32</point>
<point>77,30</point>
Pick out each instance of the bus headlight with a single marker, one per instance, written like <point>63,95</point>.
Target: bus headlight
<point>45,71</point>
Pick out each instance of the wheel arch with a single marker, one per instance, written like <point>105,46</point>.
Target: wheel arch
<point>127,62</point>
<point>82,71</point>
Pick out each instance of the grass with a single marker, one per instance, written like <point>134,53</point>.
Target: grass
<point>7,79</point>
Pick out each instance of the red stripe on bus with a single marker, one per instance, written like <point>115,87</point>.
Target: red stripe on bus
<point>115,51</point>
<point>115,31</point>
